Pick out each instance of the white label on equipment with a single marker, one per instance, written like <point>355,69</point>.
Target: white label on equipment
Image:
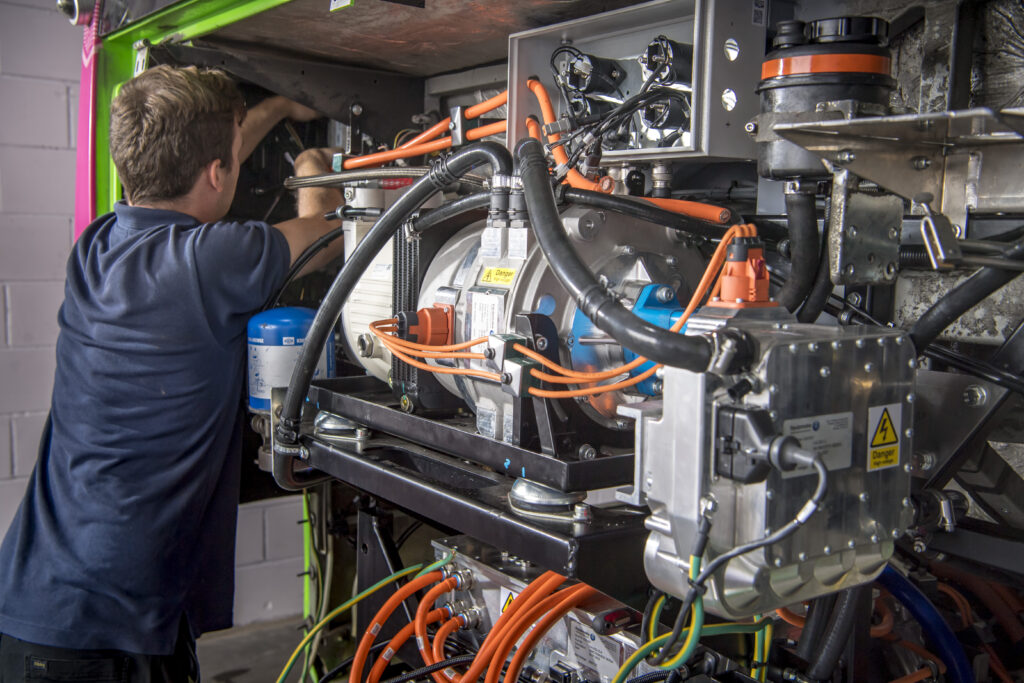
<point>518,243</point>
<point>884,424</point>
<point>486,317</point>
<point>272,366</point>
<point>601,655</point>
<point>831,436</point>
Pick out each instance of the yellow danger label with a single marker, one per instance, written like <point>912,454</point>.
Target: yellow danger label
<point>498,276</point>
<point>884,425</point>
<point>885,435</point>
<point>884,457</point>
<point>508,601</point>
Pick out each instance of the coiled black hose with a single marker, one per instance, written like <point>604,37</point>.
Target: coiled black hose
<point>442,174</point>
<point>693,353</point>
<point>802,220</point>
<point>817,619</point>
<point>644,211</point>
<point>838,633</point>
<point>961,299</point>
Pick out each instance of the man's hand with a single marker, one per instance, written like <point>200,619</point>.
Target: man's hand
<point>265,115</point>
<point>314,162</point>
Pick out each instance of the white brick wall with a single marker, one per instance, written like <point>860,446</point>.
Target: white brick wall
<point>40,55</point>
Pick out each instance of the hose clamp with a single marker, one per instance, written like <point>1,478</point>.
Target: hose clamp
<point>440,176</point>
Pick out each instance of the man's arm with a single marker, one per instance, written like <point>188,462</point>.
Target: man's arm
<point>313,203</point>
<point>264,116</point>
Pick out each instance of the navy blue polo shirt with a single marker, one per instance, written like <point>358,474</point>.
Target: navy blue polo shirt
<point>128,521</point>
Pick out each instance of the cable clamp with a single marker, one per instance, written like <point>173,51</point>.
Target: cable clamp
<point>697,587</point>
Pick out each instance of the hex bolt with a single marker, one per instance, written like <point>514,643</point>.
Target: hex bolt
<point>845,156</point>
<point>919,545</point>
<point>406,403</point>
<point>975,395</point>
<point>854,298</point>
<point>506,378</point>
<point>658,386</point>
<point>587,452</point>
<point>671,261</point>
<point>664,294</point>
<point>628,249</point>
<point>751,128</point>
<point>920,163</point>
<point>925,460</point>
<point>541,342</point>
<point>489,354</point>
<point>350,194</point>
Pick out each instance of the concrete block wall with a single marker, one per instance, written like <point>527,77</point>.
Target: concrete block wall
<point>40,57</point>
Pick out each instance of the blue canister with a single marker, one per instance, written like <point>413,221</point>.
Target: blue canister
<point>275,343</point>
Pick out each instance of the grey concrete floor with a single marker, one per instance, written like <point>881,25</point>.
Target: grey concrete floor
<point>249,654</point>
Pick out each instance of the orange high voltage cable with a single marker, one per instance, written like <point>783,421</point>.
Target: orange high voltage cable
<point>574,597</point>
<point>396,644</point>
<point>587,377</point>
<point>535,592</point>
<point>516,629</point>
<point>380,325</point>
<point>707,212</point>
<point>420,622</point>
<point>396,599</point>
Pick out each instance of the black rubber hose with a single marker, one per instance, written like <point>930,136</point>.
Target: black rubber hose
<point>480,200</point>
<point>820,290</point>
<point>443,173</point>
<point>802,220</point>
<point>305,257</point>
<point>693,353</point>
<point>961,299</point>
<point>837,635</point>
<point>817,619</point>
<point>645,211</point>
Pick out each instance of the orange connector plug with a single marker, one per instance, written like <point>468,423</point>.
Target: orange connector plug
<point>744,282</point>
<point>431,326</point>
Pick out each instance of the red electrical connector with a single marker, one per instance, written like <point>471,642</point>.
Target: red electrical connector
<point>744,282</point>
<point>431,326</point>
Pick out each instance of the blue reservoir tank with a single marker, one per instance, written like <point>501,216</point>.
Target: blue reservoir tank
<point>275,343</point>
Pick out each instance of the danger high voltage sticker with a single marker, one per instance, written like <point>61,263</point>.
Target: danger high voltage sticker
<point>883,436</point>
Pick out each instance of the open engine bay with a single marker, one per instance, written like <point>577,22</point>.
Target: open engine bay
<point>683,337</point>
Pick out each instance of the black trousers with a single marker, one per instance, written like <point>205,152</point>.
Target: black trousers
<point>22,661</point>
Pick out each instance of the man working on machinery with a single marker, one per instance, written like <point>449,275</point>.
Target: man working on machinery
<point>122,551</point>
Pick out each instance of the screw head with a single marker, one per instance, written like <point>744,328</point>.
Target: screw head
<point>868,367</point>
<point>975,395</point>
<point>827,550</point>
<point>825,371</point>
<point>875,538</point>
<point>506,378</point>
<point>356,109</point>
<point>587,452</point>
<point>920,546</point>
<point>850,269</point>
<point>406,403</point>
<point>658,386</point>
<point>864,497</point>
<point>894,233</point>
<point>920,163</point>
<point>664,294</point>
<point>581,512</point>
<point>751,128</point>
<point>802,556</point>
<point>845,156</point>
<point>851,231</point>
<point>541,342</point>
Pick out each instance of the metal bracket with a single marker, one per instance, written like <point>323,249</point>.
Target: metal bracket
<point>965,159</point>
<point>940,241</point>
<point>863,234</point>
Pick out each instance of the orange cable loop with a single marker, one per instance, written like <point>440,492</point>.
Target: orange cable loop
<point>790,617</point>
<point>420,623</point>
<point>482,374</point>
<point>533,128</point>
<point>392,603</point>
<point>397,643</point>
<point>517,627</point>
<point>447,628</point>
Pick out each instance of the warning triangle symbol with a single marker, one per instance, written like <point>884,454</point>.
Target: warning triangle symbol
<point>885,435</point>
<point>508,601</point>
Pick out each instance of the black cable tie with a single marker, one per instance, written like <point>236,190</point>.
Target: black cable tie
<point>698,587</point>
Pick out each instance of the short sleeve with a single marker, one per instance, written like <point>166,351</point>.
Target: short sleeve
<point>239,266</point>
